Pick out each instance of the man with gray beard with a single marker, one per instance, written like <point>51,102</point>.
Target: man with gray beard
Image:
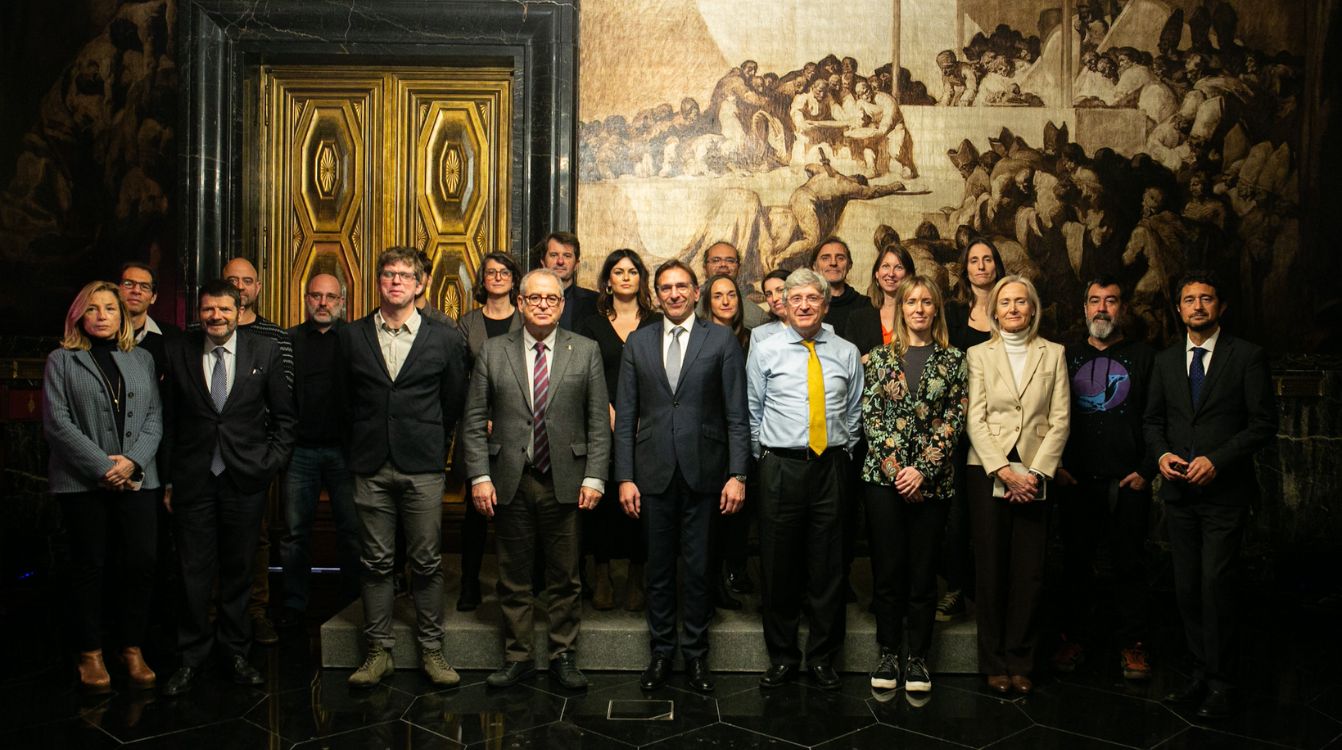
<point>1104,485</point>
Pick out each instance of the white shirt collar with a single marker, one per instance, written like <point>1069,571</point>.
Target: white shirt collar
<point>549,340</point>
<point>411,324</point>
<point>685,324</point>
<point>229,346</point>
<point>1209,345</point>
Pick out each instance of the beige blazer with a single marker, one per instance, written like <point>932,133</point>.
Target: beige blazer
<point>1034,419</point>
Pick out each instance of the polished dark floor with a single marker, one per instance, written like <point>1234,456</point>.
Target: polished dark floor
<point>1293,699</point>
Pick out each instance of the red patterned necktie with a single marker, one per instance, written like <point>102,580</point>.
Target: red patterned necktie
<point>540,453</point>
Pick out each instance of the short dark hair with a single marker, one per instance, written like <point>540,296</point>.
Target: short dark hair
<point>672,265</point>
<point>567,239</point>
<point>402,254</point>
<point>503,259</point>
<point>605,300</point>
<point>778,273</point>
<point>1197,276</point>
<point>153,275</point>
<point>219,288</point>
<point>831,240</point>
<point>1102,281</point>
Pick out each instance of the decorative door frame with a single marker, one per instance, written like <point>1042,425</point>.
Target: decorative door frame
<point>220,40</point>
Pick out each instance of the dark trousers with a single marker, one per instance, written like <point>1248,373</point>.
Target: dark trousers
<point>905,538</point>
<point>534,518</point>
<point>217,534</point>
<point>956,551</point>
<point>801,559</point>
<point>1204,546</point>
<point>1010,543</point>
<point>129,522</point>
<point>730,537</point>
<point>1098,514</point>
<point>852,508</point>
<point>608,533</point>
<point>676,529</point>
<point>310,469</point>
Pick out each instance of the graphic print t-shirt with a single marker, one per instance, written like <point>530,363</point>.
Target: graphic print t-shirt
<point>1108,398</point>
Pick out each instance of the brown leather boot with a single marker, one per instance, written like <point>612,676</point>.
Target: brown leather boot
<point>603,594</point>
<point>633,588</point>
<point>93,675</point>
<point>141,676</point>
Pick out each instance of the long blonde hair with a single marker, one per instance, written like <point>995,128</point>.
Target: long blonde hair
<point>75,338</point>
<point>900,339</point>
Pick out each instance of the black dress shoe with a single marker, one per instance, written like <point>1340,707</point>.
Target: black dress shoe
<point>697,674</point>
<point>1191,694</point>
<point>470,596</point>
<point>1217,705</point>
<point>778,675</point>
<point>564,669</point>
<point>825,677</point>
<point>512,673</point>
<point>739,581</point>
<point>243,672</point>
<point>655,675</point>
<point>263,631</point>
<point>181,681</point>
<point>723,599</point>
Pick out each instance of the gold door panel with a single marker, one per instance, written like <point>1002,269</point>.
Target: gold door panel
<point>349,161</point>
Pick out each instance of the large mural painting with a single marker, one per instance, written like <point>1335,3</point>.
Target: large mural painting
<point>1137,138</point>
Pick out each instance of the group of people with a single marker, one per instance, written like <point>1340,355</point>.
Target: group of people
<point>672,405</point>
<point>756,121</point>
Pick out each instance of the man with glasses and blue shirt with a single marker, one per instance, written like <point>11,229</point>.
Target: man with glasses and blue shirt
<point>403,382</point>
<point>804,389</point>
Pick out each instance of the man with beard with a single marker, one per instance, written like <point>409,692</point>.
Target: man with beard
<point>1209,410</point>
<point>1105,482</point>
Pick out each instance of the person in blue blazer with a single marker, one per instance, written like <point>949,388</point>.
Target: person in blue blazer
<point>102,421</point>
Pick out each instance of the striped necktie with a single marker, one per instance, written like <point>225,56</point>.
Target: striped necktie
<point>540,452</point>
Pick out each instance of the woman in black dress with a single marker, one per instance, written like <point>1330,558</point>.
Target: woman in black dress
<point>624,304</point>
<point>968,322</point>
<point>495,291</point>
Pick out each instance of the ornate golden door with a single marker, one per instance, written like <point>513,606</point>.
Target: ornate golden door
<point>348,161</point>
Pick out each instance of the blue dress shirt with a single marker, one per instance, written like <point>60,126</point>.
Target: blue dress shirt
<point>776,389</point>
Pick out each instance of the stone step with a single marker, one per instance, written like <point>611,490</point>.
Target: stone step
<point>618,640</point>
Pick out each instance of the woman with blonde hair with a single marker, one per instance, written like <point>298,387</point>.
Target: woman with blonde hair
<point>1018,421</point>
<point>913,408</point>
<point>102,421</point>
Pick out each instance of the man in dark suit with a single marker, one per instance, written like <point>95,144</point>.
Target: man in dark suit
<point>404,380</point>
<point>1210,408</point>
<point>683,391</point>
<point>537,445</point>
<point>229,428</point>
<point>561,252</point>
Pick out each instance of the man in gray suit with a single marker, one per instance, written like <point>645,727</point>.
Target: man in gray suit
<point>683,391</point>
<point>537,440</point>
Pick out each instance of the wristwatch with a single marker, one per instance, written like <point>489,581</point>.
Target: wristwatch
<point>740,478</point>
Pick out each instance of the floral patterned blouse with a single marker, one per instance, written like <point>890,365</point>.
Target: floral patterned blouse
<point>918,429</point>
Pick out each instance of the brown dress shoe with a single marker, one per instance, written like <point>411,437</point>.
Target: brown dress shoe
<point>999,683</point>
<point>141,676</point>
<point>93,675</point>
<point>1022,684</point>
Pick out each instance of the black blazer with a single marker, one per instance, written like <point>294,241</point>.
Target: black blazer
<point>579,304</point>
<point>703,427</point>
<point>408,421</point>
<point>864,329</point>
<point>255,429</point>
<point>1237,416</point>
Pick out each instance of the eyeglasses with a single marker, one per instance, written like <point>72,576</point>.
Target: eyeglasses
<point>406,276</point>
<point>144,286</point>
<point>550,300</point>
<point>730,260</point>
<point>328,297</point>
<point>498,273</point>
<point>797,299</point>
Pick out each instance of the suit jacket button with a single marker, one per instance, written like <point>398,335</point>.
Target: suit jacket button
<point>131,394</point>
<point>127,434</point>
<point>130,414</point>
<point>675,404</point>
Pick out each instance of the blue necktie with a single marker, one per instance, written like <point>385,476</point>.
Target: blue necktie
<point>1196,375</point>
<point>219,394</point>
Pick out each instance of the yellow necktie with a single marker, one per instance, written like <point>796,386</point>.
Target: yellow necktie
<point>818,439</point>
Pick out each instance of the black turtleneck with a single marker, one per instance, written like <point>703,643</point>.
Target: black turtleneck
<point>102,349</point>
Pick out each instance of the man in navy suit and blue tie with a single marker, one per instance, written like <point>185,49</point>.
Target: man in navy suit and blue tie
<point>1210,409</point>
<point>682,449</point>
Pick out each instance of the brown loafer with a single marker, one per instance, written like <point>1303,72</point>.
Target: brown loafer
<point>93,677</point>
<point>999,683</point>
<point>141,676</point>
<point>1021,684</point>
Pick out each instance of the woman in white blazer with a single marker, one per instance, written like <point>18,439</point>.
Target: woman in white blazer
<point>102,421</point>
<point>1019,411</point>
